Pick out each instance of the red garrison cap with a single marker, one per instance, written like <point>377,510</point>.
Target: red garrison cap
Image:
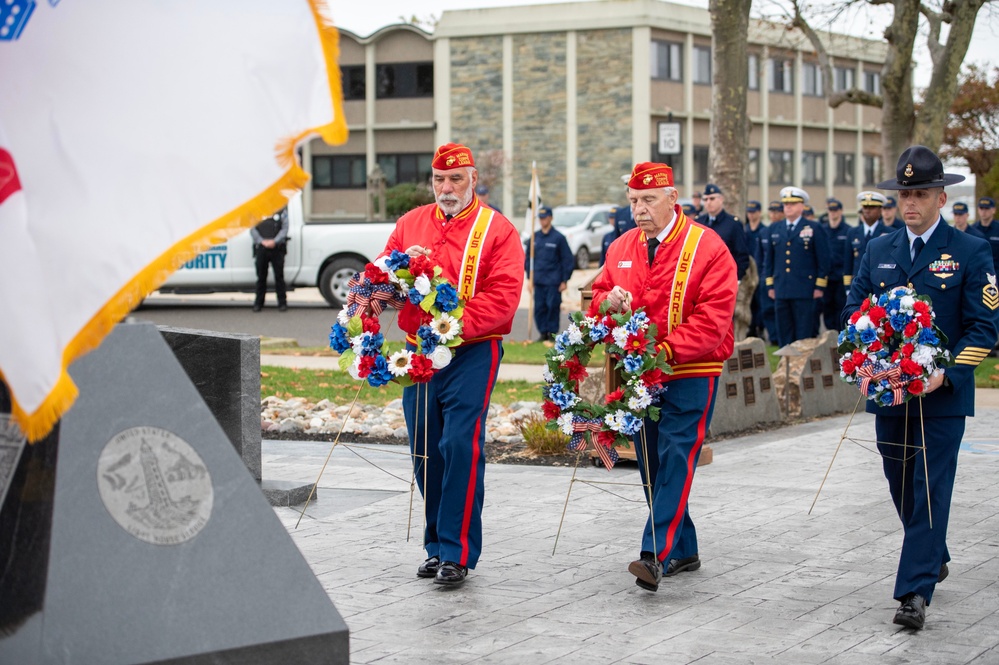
<point>649,175</point>
<point>452,156</point>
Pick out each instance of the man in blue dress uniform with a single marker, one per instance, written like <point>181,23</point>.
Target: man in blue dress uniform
<point>954,269</point>
<point>889,214</point>
<point>553,264</point>
<point>775,211</point>
<point>754,235</point>
<point>870,226</point>
<point>839,243</point>
<point>716,218</point>
<point>960,212</point>
<point>796,269</point>
<point>986,216</point>
<point>622,220</point>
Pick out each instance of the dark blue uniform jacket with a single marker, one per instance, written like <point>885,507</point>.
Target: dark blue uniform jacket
<point>797,263</point>
<point>731,232</point>
<point>553,260</point>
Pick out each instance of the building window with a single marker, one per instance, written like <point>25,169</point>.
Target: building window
<point>353,82</point>
<point>404,79</point>
<point>844,168</point>
<point>754,71</point>
<point>813,168</point>
<point>844,79</point>
<point>781,167</point>
<point>675,162</point>
<point>781,75</point>
<point>414,168</point>
<point>667,61</point>
<point>811,83</point>
<point>339,172</point>
<point>872,82</point>
<point>700,164</point>
<point>753,167</point>
<point>872,169</point>
<point>702,65</point>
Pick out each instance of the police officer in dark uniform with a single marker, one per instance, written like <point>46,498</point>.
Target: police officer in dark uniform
<point>870,226</point>
<point>553,265</point>
<point>728,227</point>
<point>796,269</point>
<point>986,224</point>
<point>755,232</point>
<point>889,212</point>
<point>775,211</point>
<point>960,212</point>
<point>835,295</point>
<point>270,244</point>
<point>622,220</point>
<point>919,440</point>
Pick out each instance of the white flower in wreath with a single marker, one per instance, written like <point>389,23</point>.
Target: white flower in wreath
<point>355,369</point>
<point>565,423</point>
<point>575,334</point>
<point>614,420</point>
<point>640,400</point>
<point>357,342</point>
<point>547,375</point>
<point>864,322</point>
<point>400,362</point>
<point>382,264</point>
<point>923,354</point>
<point>620,336</point>
<point>907,303</point>
<point>422,285</point>
<point>447,327</point>
<point>342,317</point>
<point>440,357</point>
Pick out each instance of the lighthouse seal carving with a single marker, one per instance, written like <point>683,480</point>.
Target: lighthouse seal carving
<point>155,486</point>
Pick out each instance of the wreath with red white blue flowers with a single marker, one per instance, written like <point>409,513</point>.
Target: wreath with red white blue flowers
<point>394,280</point>
<point>891,346</point>
<point>630,339</point>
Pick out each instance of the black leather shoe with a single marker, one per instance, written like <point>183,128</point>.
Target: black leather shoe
<point>687,564</point>
<point>648,571</point>
<point>257,308</point>
<point>944,572</point>
<point>282,308</point>
<point>451,574</point>
<point>911,613</point>
<point>429,567</point>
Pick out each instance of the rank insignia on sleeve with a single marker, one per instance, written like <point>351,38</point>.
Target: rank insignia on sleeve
<point>990,294</point>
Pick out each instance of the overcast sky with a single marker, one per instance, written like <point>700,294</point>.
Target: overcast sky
<point>363,18</point>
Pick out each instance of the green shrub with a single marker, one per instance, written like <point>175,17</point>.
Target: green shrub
<point>539,439</point>
<point>401,198</point>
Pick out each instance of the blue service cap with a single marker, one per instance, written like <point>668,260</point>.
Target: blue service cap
<point>834,204</point>
<point>809,211</point>
<point>986,202</point>
<point>544,211</point>
<point>960,209</point>
<point>712,189</point>
<point>689,210</point>
<point>753,206</point>
<point>481,190</point>
<point>890,202</point>
<point>776,206</point>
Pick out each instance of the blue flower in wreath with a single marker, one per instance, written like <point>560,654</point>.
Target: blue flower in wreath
<point>339,341</point>
<point>883,300</point>
<point>886,398</point>
<point>371,345</point>
<point>598,332</point>
<point>868,335</point>
<point>632,364</point>
<point>635,322</point>
<point>397,260</point>
<point>380,374</point>
<point>927,336</point>
<point>428,339</point>
<point>415,297</point>
<point>630,424</point>
<point>447,297</point>
<point>899,320</point>
<point>562,398</point>
<point>561,341</point>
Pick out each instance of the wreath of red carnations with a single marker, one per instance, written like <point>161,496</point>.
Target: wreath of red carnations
<point>891,346</point>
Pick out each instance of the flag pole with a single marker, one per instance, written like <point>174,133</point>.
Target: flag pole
<point>534,217</point>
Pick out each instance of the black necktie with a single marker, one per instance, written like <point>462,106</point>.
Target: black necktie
<point>790,227</point>
<point>917,245</point>
<point>711,221</point>
<point>653,243</point>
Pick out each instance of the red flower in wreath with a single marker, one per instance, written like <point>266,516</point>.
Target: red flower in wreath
<point>606,438</point>
<point>614,396</point>
<point>366,364</point>
<point>911,330</point>
<point>375,274</point>
<point>420,265</point>
<point>550,410</point>
<point>910,367</point>
<point>876,314</point>
<point>653,377</point>
<point>577,371</point>
<point>859,357</point>
<point>921,307</point>
<point>422,369</point>
<point>370,324</point>
<point>915,387</point>
<point>636,344</point>
<point>848,366</point>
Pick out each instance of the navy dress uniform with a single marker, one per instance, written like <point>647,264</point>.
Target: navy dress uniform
<point>956,272</point>
<point>859,235</point>
<point>731,232</point>
<point>623,221</point>
<point>961,210</point>
<point>835,296</point>
<point>754,241</point>
<point>768,310</point>
<point>797,266</point>
<point>553,265</point>
<point>987,205</point>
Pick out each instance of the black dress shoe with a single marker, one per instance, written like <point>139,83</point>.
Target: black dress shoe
<point>429,567</point>
<point>687,564</point>
<point>257,308</point>
<point>648,571</point>
<point>282,308</point>
<point>911,613</point>
<point>451,574</point>
<point>944,572</point>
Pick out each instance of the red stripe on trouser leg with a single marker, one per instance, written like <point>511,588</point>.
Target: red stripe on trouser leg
<point>477,452</point>
<point>681,507</point>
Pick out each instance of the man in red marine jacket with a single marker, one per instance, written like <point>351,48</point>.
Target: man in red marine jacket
<point>684,276</point>
<point>480,253</point>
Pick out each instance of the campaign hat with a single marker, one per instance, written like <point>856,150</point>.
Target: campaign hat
<point>871,199</point>
<point>650,175</point>
<point>452,156</point>
<point>793,195</point>
<point>920,168</point>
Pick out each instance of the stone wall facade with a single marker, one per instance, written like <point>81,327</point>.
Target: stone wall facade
<point>477,95</point>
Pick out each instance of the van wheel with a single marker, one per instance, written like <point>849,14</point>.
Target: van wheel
<point>335,277</point>
<point>582,258</point>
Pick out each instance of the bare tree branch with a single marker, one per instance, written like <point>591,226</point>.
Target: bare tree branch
<point>935,21</point>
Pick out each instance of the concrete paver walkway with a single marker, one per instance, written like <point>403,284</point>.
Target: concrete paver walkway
<point>776,584</point>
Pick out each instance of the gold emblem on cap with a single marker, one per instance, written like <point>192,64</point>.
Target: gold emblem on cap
<point>908,171</point>
<point>449,161</point>
<point>647,179</point>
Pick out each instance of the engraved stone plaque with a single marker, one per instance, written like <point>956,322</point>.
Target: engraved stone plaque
<point>733,364</point>
<point>155,485</point>
<point>12,442</point>
<point>816,365</point>
<point>746,359</point>
<point>827,381</point>
<point>765,384</point>
<point>731,390</point>
<point>808,382</point>
<point>759,359</point>
<point>748,390</point>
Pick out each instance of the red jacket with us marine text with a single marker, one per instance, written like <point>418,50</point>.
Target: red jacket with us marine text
<point>688,292</point>
<point>495,271</point>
